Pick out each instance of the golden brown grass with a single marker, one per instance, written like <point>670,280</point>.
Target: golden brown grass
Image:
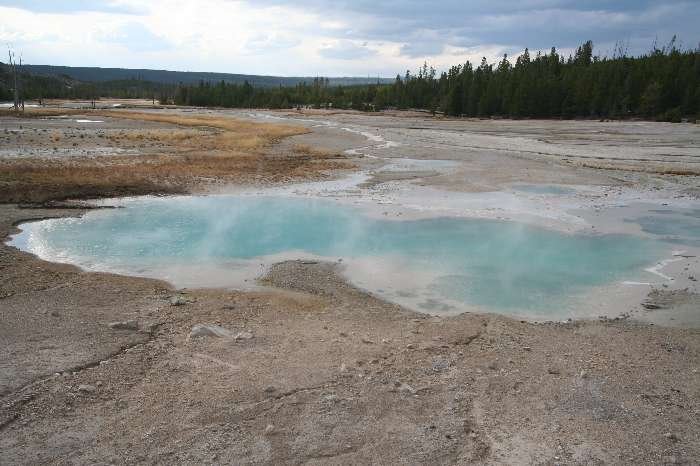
<point>40,112</point>
<point>29,181</point>
<point>307,150</point>
<point>235,135</point>
<point>197,149</point>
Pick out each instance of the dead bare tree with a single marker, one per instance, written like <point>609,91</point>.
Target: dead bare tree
<point>17,81</point>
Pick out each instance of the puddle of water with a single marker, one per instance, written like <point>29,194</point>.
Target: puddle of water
<point>403,164</point>
<point>680,226</point>
<point>439,265</point>
<point>544,189</point>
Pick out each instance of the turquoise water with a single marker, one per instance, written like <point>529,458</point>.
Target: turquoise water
<point>679,226</point>
<point>502,266</point>
<point>544,189</point>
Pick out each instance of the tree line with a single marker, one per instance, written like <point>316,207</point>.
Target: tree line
<point>318,93</point>
<point>662,84</point>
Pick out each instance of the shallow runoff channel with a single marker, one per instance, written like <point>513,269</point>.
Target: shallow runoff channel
<point>528,251</point>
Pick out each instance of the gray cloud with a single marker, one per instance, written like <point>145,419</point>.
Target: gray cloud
<point>420,49</point>
<point>426,27</point>
<point>137,38</point>
<point>422,30</point>
<point>346,50</point>
<point>266,42</point>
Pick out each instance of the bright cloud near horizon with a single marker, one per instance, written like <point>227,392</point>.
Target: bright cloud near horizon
<point>328,38</point>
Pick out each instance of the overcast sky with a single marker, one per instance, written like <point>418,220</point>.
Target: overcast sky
<point>328,37</point>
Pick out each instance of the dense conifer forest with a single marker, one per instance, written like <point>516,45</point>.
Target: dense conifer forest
<point>663,84</point>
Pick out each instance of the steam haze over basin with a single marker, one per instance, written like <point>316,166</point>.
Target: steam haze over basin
<point>439,265</point>
<point>329,38</point>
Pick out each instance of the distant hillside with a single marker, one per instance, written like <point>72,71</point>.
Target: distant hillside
<point>49,86</point>
<point>92,74</point>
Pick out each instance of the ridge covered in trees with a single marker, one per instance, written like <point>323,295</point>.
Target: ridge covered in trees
<point>95,74</point>
<point>37,87</point>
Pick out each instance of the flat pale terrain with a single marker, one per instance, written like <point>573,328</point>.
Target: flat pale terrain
<point>316,370</point>
<point>63,154</point>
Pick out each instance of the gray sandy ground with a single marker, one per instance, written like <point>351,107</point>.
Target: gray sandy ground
<point>332,375</point>
<point>66,136</point>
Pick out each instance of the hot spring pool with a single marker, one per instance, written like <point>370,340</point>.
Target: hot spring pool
<point>440,265</point>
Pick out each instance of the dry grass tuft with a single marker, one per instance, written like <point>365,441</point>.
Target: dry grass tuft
<point>307,150</point>
<point>32,181</point>
<point>41,112</point>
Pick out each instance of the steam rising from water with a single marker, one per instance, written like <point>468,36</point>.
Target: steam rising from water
<point>440,265</point>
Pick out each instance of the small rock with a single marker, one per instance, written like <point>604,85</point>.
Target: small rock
<point>410,346</point>
<point>527,348</point>
<point>243,336</point>
<point>202,330</point>
<point>178,300</point>
<point>55,314</point>
<point>492,366</point>
<point>269,429</point>
<point>405,388</point>
<point>343,334</point>
<point>584,374</point>
<point>367,341</point>
<point>553,371</point>
<point>151,327</point>
<point>87,388</point>
<point>671,436</point>
<point>125,325</point>
<point>270,389</point>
